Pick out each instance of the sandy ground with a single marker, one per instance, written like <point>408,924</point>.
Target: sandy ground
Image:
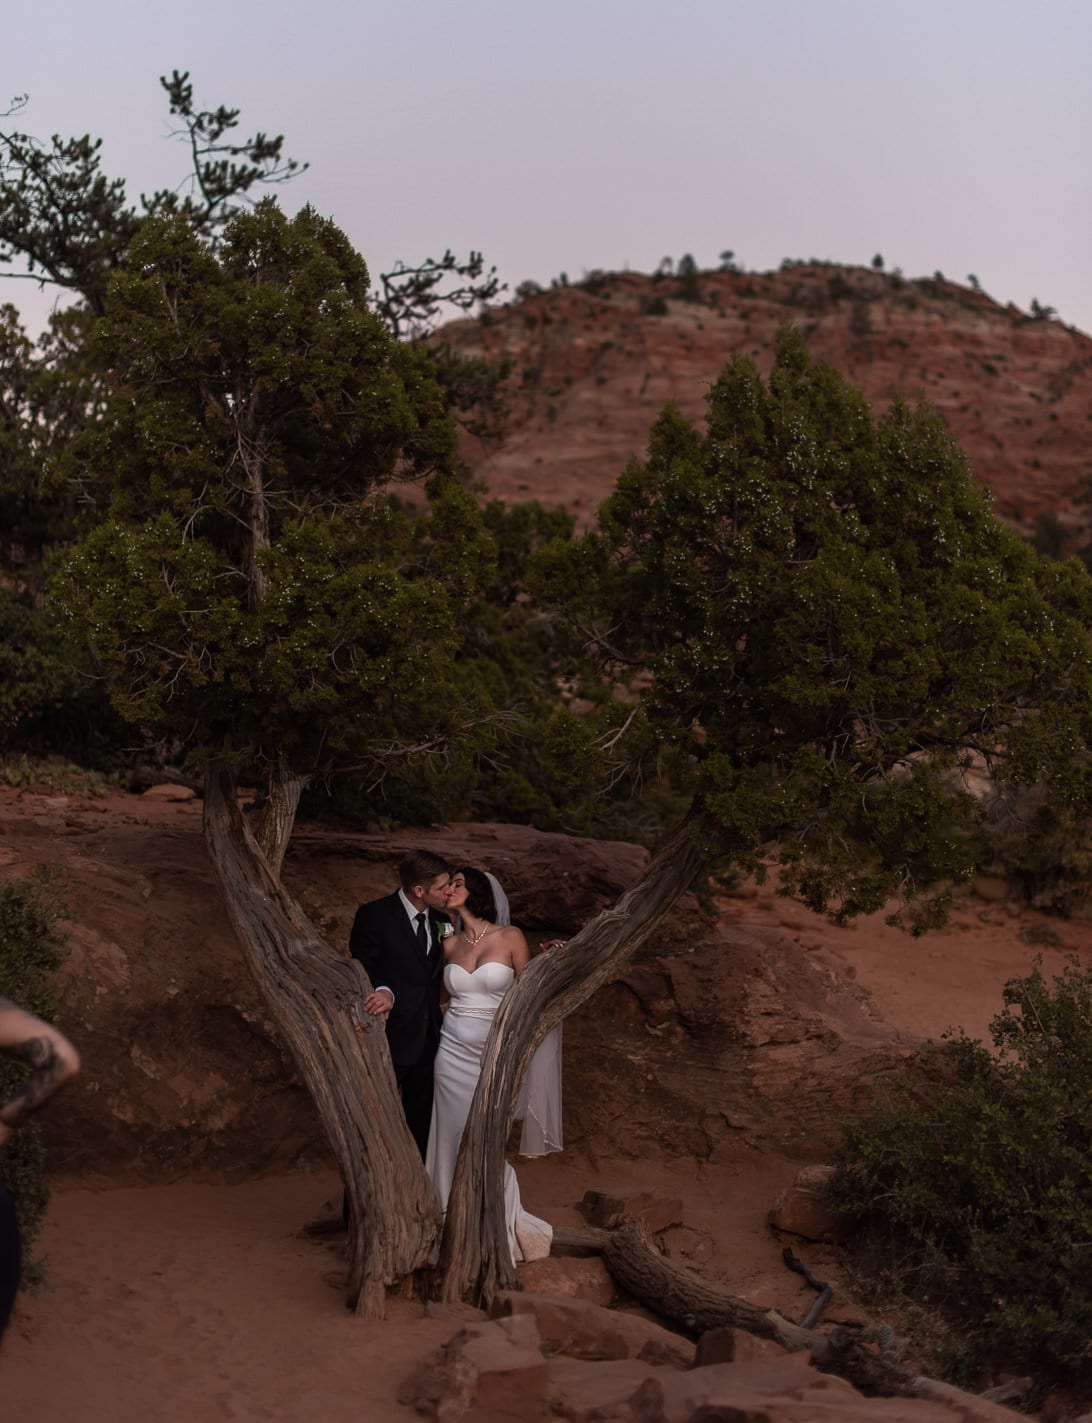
<point>192,1302</point>
<point>200,1302</point>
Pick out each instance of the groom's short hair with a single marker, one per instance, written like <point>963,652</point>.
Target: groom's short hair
<point>421,867</point>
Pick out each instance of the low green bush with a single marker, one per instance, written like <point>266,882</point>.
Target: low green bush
<point>51,702</point>
<point>981,1177</point>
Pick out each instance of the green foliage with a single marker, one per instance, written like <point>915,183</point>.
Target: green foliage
<point>50,701</point>
<point>475,389</point>
<point>30,950</point>
<point>56,774</point>
<point>250,591</point>
<point>411,297</point>
<point>72,224</point>
<point>1043,848</point>
<point>986,1184</point>
<point>689,274</point>
<point>830,620</point>
<point>1050,535</point>
<point>45,393</point>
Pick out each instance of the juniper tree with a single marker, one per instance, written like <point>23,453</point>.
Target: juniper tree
<point>252,594</point>
<point>833,628</point>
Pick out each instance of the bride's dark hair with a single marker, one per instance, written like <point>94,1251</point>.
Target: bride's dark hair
<point>479,894</point>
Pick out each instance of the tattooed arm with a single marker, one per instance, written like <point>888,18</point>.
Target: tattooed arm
<point>50,1056</point>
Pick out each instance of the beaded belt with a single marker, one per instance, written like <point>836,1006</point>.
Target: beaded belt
<point>473,1012</point>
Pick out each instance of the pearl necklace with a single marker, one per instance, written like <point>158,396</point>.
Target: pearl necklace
<point>474,939</point>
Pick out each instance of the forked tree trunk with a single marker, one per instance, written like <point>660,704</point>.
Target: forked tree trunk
<point>475,1258</point>
<point>315,998</point>
<point>273,823</point>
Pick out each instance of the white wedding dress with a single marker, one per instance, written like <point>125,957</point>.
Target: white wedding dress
<point>475,998</point>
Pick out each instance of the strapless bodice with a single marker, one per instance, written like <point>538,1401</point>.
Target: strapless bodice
<point>480,990</point>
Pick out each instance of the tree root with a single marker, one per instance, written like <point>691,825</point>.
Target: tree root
<point>824,1291</point>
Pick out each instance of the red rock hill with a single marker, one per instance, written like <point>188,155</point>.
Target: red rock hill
<point>593,364</point>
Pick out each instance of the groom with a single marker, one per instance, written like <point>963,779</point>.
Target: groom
<point>397,939</point>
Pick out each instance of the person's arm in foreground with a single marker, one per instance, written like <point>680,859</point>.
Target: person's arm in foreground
<point>50,1056</point>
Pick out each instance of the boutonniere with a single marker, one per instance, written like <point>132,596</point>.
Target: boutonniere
<point>443,929</point>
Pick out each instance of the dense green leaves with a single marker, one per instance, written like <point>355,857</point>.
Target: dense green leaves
<point>984,1178</point>
<point>833,623</point>
<point>50,698</point>
<point>253,592</point>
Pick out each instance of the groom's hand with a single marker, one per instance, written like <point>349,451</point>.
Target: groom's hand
<point>381,1001</point>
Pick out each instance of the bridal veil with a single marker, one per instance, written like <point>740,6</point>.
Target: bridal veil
<point>540,1096</point>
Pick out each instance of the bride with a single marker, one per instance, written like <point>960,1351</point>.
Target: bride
<point>482,961</point>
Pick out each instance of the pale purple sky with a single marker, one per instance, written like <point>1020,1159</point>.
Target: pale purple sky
<point>612,133</point>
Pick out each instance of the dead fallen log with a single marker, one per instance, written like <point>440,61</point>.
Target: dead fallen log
<point>683,1297</point>
<point>579,1239</point>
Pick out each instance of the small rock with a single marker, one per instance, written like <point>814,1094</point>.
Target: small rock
<point>169,793</point>
<point>569,1277</point>
<point>733,1346</point>
<point>583,1330</point>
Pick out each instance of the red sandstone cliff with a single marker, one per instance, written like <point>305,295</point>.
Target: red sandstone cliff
<point>593,364</point>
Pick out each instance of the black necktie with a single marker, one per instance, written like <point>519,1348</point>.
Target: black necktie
<point>422,934</point>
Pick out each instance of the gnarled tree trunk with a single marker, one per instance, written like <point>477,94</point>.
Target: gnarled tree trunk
<point>277,815</point>
<point>315,997</point>
<point>475,1258</point>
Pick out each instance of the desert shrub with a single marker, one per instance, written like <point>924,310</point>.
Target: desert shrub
<point>49,700</point>
<point>983,1182</point>
<point>653,306</point>
<point>30,950</point>
<point>1042,846</point>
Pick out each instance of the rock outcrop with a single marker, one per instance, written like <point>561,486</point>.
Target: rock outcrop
<point>535,1365</point>
<point>737,1039</point>
<point>728,1038</point>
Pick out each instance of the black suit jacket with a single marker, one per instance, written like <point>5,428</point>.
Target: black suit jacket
<point>384,941</point>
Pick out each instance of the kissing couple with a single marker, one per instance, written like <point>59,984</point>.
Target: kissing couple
<point>444,940</point>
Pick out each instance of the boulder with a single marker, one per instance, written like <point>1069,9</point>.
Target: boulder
<point>804,1208</point>
<point>487,1373</point>
<point>582,1330</point>
<point>735,1040</point>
